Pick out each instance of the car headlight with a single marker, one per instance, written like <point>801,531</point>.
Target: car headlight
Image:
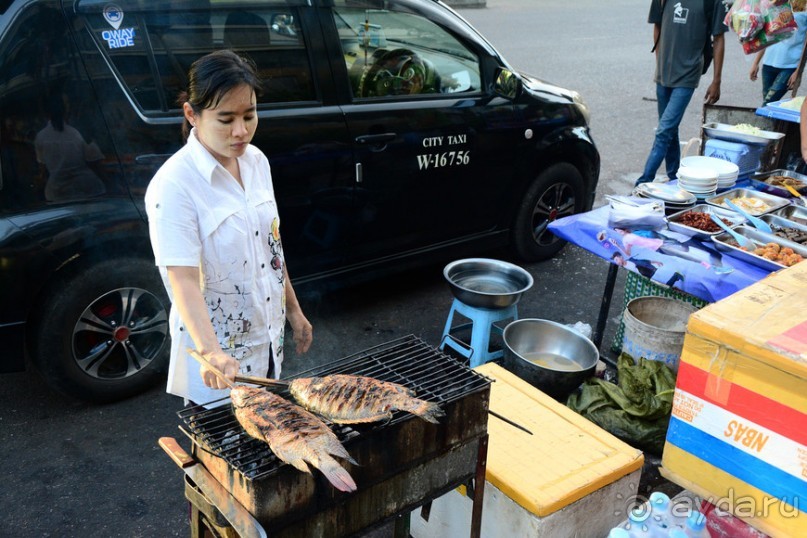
<point>581,106</point>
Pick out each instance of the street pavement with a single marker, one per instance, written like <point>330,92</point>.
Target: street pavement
<point>73,469</point>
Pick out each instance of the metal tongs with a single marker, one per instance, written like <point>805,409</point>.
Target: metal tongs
<point>741,240</point>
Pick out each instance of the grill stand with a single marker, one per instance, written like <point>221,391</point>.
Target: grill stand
<point>206,519</point>
<point>403,463</point>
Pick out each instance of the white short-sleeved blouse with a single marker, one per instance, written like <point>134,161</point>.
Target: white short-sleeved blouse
<point>200,217</point>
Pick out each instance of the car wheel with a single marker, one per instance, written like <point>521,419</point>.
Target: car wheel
<point>103,334</point>
<point>557,192</point>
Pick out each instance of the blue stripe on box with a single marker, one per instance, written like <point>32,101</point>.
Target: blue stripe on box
<point>734,461</point>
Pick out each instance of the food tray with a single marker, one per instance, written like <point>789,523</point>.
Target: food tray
<point>775,202</point>
<point>724,131</point>
<point>759,238</point>
<point>777,221</point>
<point>760,182</point>
<point>674,221</point>
<point>795,213</point>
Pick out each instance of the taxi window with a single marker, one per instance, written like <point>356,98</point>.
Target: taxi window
<point>397,53</point>
<point>152,50</point>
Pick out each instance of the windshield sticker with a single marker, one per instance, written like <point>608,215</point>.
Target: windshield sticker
<point>113,15</point>
<point>441,159</point>
<point>117,39</point>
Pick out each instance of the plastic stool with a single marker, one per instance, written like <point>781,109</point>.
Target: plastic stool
<point>482,326</point>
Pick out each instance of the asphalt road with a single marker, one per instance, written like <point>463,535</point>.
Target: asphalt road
<point>72,469</point>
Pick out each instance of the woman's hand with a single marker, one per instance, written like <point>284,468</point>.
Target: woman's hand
<point>754,71</point>
<point>302,329</point>
<point>224,364</point>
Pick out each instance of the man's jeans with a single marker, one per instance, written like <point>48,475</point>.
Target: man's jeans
<point>774,83</point>
<point>672,103</point>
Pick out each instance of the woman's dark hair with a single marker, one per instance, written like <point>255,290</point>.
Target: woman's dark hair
<point>212,76</point>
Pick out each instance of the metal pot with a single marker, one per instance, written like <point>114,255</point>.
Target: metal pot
<point>486,283</point>
<point>552,357</point>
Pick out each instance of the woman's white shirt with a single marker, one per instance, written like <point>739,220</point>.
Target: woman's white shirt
<point>199,216</point>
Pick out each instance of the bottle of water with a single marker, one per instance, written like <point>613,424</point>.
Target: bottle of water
<point>695,526</point>
<point>661,517</point>
<point>639,522</point>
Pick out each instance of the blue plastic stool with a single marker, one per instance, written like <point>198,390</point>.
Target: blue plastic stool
<point>482,324</point>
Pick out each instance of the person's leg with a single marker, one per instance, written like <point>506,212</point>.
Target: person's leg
<point>767,74</point>
<point>656,152</point>
<point>778,85</point>
<point>672,103</point>
<point>673,114</point>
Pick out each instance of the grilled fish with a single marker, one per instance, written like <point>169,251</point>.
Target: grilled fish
<point>294,435</point>
<point>348,399</point>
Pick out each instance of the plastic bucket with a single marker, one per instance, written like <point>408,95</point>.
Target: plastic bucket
<point>654,329</point>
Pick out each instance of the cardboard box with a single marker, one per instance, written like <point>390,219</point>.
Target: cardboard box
<point>569,478</point>
<point>738,432</point>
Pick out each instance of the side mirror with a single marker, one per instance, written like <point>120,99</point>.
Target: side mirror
<point>507,84</point>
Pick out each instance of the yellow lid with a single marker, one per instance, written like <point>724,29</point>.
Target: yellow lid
<point>566,457</point>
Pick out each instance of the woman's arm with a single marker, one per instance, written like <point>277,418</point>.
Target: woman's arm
<point>193,311</point>
<point>300,326</point>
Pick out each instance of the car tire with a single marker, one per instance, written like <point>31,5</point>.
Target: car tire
<point>102,334</point>
<point>559,191</point>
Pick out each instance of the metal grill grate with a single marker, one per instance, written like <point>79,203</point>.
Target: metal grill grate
<point>408,361</point>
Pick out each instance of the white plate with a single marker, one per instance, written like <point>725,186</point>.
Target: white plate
<point>663,191</point>
<point>724,168</point>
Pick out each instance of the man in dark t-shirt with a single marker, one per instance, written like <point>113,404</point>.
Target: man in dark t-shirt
<point>680,31</point>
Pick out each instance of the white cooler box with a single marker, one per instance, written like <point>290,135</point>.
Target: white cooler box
<point>570,478</point>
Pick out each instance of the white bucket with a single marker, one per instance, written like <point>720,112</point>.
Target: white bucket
<point>654,329</point>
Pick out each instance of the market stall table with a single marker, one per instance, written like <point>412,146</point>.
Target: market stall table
<point>668,258</point>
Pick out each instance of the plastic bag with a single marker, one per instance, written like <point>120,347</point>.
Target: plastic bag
<point>760,23</point>
<point>745,18</point>
<point>762,40</point>
<point>778,18</point>
<point>635,213</point>
<point>637,409</point>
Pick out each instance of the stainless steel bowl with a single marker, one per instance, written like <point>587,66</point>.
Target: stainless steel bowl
<point>552,357</point>
<point>486,283</point>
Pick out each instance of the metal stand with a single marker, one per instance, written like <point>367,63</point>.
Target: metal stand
<point>605,305</point>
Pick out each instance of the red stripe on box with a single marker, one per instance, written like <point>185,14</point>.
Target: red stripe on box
<point>745,403</point>
<point>793,340</point>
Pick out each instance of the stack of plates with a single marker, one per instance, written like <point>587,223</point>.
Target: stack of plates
<point>727,172</point>
<point>675,199</point>
<point>699,180</point>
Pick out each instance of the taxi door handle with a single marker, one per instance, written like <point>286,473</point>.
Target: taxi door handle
<point>377,139</point>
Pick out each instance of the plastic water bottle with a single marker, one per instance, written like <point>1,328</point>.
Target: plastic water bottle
<point>660,514</point>
<point>639,522</point>
<point>695,526</point>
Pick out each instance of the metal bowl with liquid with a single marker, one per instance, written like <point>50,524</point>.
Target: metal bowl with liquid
<point>552,357</point>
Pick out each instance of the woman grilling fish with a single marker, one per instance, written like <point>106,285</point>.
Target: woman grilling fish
<point>214,229</point>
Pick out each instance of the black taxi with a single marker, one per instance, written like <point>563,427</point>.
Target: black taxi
<point>396,135</point>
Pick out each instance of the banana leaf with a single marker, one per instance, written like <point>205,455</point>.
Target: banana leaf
<point>636,409</point>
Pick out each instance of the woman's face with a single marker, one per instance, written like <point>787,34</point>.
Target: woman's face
<point>228,128</point>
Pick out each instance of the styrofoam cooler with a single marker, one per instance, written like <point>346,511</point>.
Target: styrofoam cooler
<point>567,478</point>
<point>746,156</point>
